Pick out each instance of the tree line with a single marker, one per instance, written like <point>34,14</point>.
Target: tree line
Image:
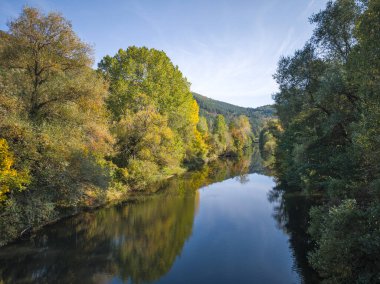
<point>210,108</point>
<point>73,137</point>
<point>328,137</point>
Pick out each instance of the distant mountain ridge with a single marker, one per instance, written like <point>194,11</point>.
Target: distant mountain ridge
<point>210,108</point>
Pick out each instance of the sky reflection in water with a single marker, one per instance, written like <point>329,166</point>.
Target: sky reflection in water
<point>215,225</point>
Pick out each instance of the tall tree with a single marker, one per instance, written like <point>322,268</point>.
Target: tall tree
<point>50,63</point>
<point>334,28</point>
<point>150,72</point>
<point>53,119</point>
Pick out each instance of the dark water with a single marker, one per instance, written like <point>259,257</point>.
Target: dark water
<point>217,225</point>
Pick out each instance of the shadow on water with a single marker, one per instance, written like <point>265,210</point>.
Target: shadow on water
<point>291,212</point>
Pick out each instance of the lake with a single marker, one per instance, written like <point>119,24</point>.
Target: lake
<point>221,224</point>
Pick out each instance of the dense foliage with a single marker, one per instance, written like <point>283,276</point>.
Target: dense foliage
<point>233,139</point>
<point>329,110</point>
<point>73,137</point>
<point>268,142</point>
<point>10,179</point>
<point>210,108</point>
<point>144,82</point>
<point>53,123</point>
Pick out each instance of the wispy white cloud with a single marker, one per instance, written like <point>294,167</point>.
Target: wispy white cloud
<point>232,71</point>
<point>309,8</point>
<point>240,69</point>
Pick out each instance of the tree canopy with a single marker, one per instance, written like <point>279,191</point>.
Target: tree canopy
<point>139,76</point>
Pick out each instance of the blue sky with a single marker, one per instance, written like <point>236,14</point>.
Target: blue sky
<point>228,49</point>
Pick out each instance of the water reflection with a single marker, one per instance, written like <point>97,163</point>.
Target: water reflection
<point>291,212</point>
<point>222,233</point>
<point>135,242</point>
<point>138,242</point>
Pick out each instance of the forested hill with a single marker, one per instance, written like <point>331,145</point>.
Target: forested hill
<point>209,108</point>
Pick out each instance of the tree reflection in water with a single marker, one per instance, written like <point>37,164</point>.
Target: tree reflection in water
<point>291,212</point>
<point>136,241</point>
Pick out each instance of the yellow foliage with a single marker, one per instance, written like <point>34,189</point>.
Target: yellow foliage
<point>9,178</point>
<point>194,113</point>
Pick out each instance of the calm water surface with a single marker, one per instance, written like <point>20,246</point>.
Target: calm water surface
<point>216,225</point>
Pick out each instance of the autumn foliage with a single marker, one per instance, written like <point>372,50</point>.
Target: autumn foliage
<point>72,136</point>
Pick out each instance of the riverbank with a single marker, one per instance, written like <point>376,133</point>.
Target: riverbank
<point>94,199</point>
<point>91,200</point>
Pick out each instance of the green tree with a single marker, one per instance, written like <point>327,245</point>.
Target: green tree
<point>145,140</point>
<point>241,133</point>
<point>328,106</point>
<point>49,62</point>
<point>202,126</point>
<point>221,137</point>
<point>268,142</point>
<point>150,72</point>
